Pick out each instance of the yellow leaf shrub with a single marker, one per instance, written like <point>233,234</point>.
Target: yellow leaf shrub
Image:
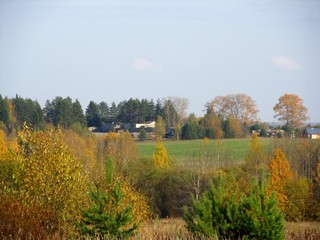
<point>160,157</point>
<point>138,202</point>
<point>49,174</point>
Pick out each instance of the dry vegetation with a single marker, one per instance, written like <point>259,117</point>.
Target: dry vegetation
<point>174,228</point>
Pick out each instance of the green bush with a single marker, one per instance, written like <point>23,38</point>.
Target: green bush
<point>223,213</point>
<point>167,190</point>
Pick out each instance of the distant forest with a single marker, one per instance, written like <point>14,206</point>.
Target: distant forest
<point>67,113</point>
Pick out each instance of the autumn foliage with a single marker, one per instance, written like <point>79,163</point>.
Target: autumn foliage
<point>22,221</point>
<point>256,158</point>
<point>49,174</point>
<point>281,175</point>
<point>291,110</point>
<point>45,179</point>
<point>160,157</point>
<point>120,147</point>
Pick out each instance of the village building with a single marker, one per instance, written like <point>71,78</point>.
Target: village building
<point>313,133</point>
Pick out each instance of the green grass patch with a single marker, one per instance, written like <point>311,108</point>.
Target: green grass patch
<point>225,149</point>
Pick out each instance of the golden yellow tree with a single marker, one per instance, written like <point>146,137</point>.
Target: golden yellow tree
<point>160,157</point>
<point>281,175</point>
<point>49,174</point>
<point>291,110</point>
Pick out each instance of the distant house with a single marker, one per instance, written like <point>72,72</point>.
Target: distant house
<point>313,133</point>
<point>133,128</point>
<point>170,133</point>
<point>151,124</point>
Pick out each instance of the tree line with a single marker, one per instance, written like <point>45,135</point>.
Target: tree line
<point>227,116</point>
<point>67,113</point>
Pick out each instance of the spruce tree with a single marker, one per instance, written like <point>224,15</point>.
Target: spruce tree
<point>107,215</point>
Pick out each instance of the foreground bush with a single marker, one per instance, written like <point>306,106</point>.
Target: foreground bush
<point>221,213</point>
<point>49,175</point>
<point>19,221</point>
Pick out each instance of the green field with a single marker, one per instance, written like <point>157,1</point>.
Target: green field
<point>227,149</point>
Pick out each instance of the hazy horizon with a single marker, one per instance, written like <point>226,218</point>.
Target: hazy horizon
<point>116,50</point>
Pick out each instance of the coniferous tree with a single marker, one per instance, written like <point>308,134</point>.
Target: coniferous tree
<point>4,110</point>
<point>92,115</point>
<point>216,213</point>
<point>104,112</point>
<point>222,214</point>
<point>78,115</point>
<point>143,135</point>
<point>261,217</point>
<point>107,215</point>
<point>29,111</point>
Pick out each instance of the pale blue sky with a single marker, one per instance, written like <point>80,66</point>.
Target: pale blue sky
<point>114,50</point>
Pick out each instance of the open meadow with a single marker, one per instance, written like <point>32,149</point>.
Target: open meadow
<point>234,150</point>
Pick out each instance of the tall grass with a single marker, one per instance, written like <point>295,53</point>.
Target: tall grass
<point>174,229</point>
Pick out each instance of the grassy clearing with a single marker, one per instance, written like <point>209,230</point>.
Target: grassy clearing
<point>227,149</point>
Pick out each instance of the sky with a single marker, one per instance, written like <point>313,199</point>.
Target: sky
<point>100,50</point>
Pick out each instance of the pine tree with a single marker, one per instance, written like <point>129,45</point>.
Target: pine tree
<point>261,218</point>
<point>221,213</point>
<point>108,215</point>
<point>216,213</point>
